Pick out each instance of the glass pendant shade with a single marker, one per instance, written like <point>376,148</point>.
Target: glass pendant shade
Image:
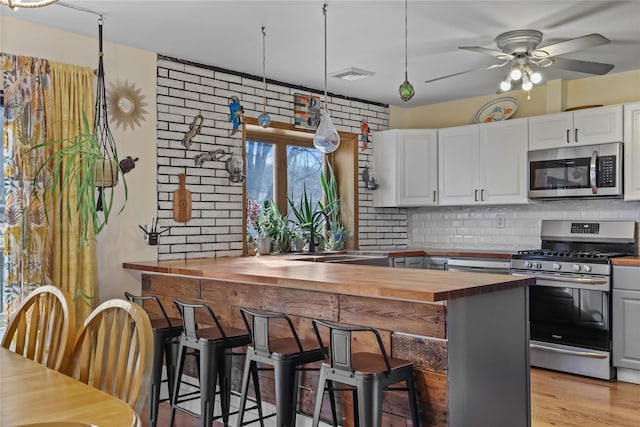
<point>406,91</point>
<point>264,120</point>
<point>326,139</point>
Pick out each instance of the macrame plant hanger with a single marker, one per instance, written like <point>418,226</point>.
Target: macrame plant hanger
<point>107,172</point>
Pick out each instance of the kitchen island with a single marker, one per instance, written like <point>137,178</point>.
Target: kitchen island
<point>466,333</point>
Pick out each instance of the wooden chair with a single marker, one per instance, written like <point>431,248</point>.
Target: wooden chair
<point>114,352</point>
<point>43,328</point>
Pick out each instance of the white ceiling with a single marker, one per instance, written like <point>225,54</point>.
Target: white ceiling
<point>363,34</point>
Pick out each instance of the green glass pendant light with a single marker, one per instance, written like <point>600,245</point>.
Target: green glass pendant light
<point>406,89</point>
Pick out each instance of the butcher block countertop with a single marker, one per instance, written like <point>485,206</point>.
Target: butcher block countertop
<point>631,261</point>
<point>358,280</point>
<point>449,253</point>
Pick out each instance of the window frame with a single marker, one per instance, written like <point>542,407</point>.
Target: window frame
<point>344,162</point>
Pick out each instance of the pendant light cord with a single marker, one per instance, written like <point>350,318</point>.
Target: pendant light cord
<point>264,68</point>
<point>324,12</point>
<point>406,72</point>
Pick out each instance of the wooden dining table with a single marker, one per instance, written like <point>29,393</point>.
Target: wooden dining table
<point>32,395</point>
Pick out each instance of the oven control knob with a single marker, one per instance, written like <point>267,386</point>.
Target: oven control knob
<point>587,268</point>
<point>556,266</point>
<point>576,267</point>
<point>527,264</point>
<point>538,266</point>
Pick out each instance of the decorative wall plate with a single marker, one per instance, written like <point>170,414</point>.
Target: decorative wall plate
<point>498,109</point>
<point>126,104</point>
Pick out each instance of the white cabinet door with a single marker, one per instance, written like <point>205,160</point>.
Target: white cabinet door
<point>385,148</point>
<point>632,151</point>
<point>458,165</point>
<point>503,162</point>
<point>582,127</point>
<point>626,334</point>
<point>417,167</point>
<point>405,163</point>
<point>550,131</point>
<point>597,125</point>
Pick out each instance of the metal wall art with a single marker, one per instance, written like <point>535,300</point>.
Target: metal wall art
<point>126,105</point>
<point>209,156</point>
<point>235,114</point>
<point>194,129</point>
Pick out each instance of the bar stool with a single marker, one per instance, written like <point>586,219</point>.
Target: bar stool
<point>212,346</point>
<point>286,355</point>
<point>166,331</point>
<point>368,375</point>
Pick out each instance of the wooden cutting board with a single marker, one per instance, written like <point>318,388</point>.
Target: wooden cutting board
<point>182,201</point>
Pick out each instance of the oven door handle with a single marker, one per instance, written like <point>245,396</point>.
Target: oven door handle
<point>568,352</point>
<point>566,279</point>
<point>592,173</point>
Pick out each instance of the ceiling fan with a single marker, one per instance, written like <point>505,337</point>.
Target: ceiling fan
<point>520,50</point>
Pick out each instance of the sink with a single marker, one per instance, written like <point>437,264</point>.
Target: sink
<point>344,259</point>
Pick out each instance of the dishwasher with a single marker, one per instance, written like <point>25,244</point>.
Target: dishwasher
<point>492,266</point>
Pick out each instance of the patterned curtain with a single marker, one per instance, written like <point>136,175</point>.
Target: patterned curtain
<point>27,97</point>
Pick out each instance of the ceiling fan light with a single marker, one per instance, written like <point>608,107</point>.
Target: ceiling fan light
<point>527,85</point>
<point>515,74</point>
<point>505,85</point>
<point>536,77</point>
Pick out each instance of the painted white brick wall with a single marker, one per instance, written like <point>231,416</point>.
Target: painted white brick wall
<point>185,90</point>
<point>475,227</point>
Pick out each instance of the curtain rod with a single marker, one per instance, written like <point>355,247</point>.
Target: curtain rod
<point>80,8</point>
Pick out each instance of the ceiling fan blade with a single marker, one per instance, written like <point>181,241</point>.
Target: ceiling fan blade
<point>572,45</point>
<point>598,68</point>
<point>468,71</point>
<point>496,53</point>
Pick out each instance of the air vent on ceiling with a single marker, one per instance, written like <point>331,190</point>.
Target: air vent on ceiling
<point>352,73</point>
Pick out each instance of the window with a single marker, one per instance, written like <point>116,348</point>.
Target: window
<point>281,161</point>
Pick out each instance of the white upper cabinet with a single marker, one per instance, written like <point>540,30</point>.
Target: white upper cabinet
<point>406,167</point>
<point>503,156</point>
<point>632,151</point>
<point>458,165</point>
<point>483,164</point>
<point>580,127</point>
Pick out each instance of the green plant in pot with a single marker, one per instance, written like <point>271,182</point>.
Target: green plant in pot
<point>80,166</point>
<point>302,214</point>
<point>272,224</point>
<point>337,231</point>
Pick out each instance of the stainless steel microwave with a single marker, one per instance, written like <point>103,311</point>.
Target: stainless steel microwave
<point>584,171</point>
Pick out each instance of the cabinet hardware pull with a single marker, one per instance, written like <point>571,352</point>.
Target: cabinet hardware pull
<point>476,195</point>
<point>575,135</point>
<point>568,136</point>
<point>482,195</point>
<point>434,196</point>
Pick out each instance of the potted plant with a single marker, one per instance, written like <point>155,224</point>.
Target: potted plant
<point>80,165</point>
<point>302,214</point>
<point>337,231</point>
<point>272,224</point>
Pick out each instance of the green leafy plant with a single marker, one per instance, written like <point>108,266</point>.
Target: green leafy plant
<point>302,213</point>
<point>79,163</point>
<point>271,223</point>
<point>337,230</point>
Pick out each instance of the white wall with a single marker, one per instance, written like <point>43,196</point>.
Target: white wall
<point>121,240</point>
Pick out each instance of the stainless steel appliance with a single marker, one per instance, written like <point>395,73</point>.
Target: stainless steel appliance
<point>570,305</point>
<point>586,171</point>
<point>492,266</point>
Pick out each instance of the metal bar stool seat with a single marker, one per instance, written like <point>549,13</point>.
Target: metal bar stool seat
<point>212,346</point>
<point>286,355</point>
<point>166,331</point>
<point>368,375</point>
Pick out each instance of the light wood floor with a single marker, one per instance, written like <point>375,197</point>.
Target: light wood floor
<point>556,400</point>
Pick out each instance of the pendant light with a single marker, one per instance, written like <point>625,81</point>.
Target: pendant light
<point>326,138</point>
<point>406,89</point>
<point>263,119</point>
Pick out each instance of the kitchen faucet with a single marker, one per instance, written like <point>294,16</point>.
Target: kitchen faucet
<point>312,243</point>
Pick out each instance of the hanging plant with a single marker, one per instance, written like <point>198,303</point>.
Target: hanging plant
<point>85,167</point>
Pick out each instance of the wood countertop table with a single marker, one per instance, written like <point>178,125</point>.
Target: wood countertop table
<point>32,394</point>
<point>357,280</point>
<point>466,333</point>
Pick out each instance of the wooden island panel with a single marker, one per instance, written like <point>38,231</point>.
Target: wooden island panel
<point>389,317</point>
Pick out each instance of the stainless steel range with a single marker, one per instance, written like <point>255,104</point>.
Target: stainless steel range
<point>570,306</point>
